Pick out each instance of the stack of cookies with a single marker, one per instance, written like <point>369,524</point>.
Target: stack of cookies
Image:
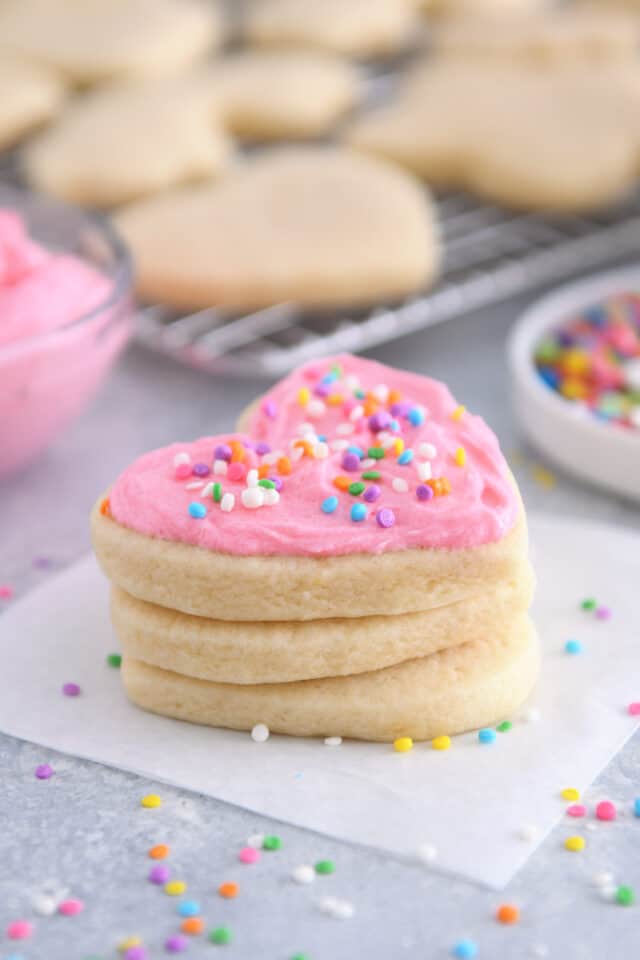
<point>354,563</point>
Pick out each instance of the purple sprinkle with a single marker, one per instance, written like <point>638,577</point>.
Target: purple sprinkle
<point>222,452</point>
<point>262,448</point>
<point>322,390</point>
<point>200,470</point>
<point>424,492</point>
<point>44,771</point>
<point>270,409</point>
<point>136,953</point>
<point>372,493</point>
<point>379,421</point>
<point>400,409</point>
<point>247,444</point>
<point>386,517</point>
<point>71,690</point>
<point>175,944</point>
<point>159,874</point>
<point>603,613</point>
<point>278,482</point>
<point>350,461</point>
<point>41,563</point>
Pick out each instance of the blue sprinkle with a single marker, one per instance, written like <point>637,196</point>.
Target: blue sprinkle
<point>358,512</point>
<point>197,510</point>
<point>329,505</point>
<point>405,457</point>
<point>464,949</point>
<point>359,452</point>
<point>329,378</point>
<point>487,735</point>
<point>394,426</point>
<point>636,806</point>
<point>415,418</point>
<point>189,908</point>
<point>322,437</point>
<point>573,647</point>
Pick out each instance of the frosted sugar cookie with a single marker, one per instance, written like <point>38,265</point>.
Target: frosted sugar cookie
<point>31,94</point>
<point>322,226</point>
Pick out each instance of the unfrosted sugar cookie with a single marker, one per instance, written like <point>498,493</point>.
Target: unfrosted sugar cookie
<point>321,226</point>
<point>266,95</point>
<point>126,141</point>
<point>95,40</point>
<point>31,95</point>
<point>363,28</point>
<point>466,9</point>
<point>457,125</point>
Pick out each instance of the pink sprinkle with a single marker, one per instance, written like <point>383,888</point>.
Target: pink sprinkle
<point>236,471</point>
<point>69,908</point>
<point>182,471</point>
<point>634,709</point>
<point>249,855</point>
<point>606,810</point>
<point>6,592</point>
<point>19,930</point>
<point>603,613</point>
<point>576,810</point>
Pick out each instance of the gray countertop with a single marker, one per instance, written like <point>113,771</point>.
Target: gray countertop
<point>85,831</point>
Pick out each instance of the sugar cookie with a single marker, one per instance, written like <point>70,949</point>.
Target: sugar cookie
<point>31,94</point>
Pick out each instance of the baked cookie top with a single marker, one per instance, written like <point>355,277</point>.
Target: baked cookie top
<point>343,456</point>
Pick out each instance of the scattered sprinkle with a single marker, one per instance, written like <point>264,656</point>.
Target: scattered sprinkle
<point>334,907</point>
<point>625,896</point>
<point>606,810</point>
<point>229,890</point>
<point>136,953</point>
<point>577,810</point>
<point>634,709</point>
<point>507,913</point>
<point>114,660</point>
<point>151,801</point>
<point>636,806</point>
<point>570,793</point>
<point>192,925</point>
<point>260,733</point>
<point>272,843</point>
<point>575,844</point>
<point>256,840</point>
<point>19,930</point>
<point>249,855</point>
<point>543,477</point>
<point>44,771</point>
<point>129,942</point>
<point>220,936</point>
<point>188,908</point>
<point>465,949</point>
<point>175,888</point>
<point>175,944</point>
<point>325,867</point>
<point>159,852</point>
<point>403,744</point>
<point>332,741</point>
<point>71,690</point>
<point>528,832</point>
<point>159,874</point>
<point>6,592</point>
<point>487,735</point>
<point>589,604</point>
<point>71,908</point>
<point>603,613</point>
<point>573,647</point>
<point>303,874</point>
<point>441,743</point>
<point>504,727</point>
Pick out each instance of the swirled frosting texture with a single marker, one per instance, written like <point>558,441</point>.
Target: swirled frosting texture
<point>329,404</point>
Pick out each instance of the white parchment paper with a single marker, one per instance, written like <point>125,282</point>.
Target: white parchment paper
<point>471,802</point>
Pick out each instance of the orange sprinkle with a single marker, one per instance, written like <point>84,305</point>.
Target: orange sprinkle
<point>306,446</point>
<point>445,485</point>
<point>370,405</point>
<point>105,508</point>
<point>263,471</point>
<point>237,451</point>
<point>507,913</point>
<point>440,486</point>
<point>334,400</point>
<point>284,466</point>
<point>192,925</point>
<point>159,852</point>
<point>394,397</point>
<point>229,890</point>
<point>342,483</point>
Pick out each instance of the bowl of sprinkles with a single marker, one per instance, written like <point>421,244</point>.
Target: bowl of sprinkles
<point>575,367</point>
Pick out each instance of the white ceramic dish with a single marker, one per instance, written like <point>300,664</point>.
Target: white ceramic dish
<point>564,431</point>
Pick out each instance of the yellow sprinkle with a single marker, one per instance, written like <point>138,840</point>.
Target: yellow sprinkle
<point>175,887</point>
<point>398,446</point>
<point>543,477</point>
<point>441,743</point>
<point>128,943</point>
<point>575,844</point>
<point>461,456</point>
<point>335,399</point>
<point>403,744</point>
<point>151,800</point>
<point>458,412</point>
<point>304,395</point>
<point>571,794</point>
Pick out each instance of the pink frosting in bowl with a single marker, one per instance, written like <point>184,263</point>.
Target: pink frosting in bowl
<point>413,468</point>
<point>64,316</point>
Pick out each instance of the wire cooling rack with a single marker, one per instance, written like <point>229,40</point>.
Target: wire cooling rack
<point>490,255</point>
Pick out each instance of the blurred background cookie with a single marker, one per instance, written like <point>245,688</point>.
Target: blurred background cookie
<point>31,94</point>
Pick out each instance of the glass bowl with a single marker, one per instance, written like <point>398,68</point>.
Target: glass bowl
<point>47,379</point>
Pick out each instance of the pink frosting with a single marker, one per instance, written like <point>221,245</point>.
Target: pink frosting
<point>151,496</point>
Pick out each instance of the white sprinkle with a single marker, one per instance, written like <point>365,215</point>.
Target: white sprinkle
<point>305,428</point>
<point>181,458</point>
<point>256,840</point>
<point>528,832</point>
<point>386,442</point>
<point>341,909</point>
<point>540,950</point>
<point>228,502</point>
<point>260,733</point>
<point>399,484</point>
<point>43,905</point>
<point>252,478</point>
<point>381,392</point>
<point>252,497</point>
<point>332,741</point>
<point>194,485</point>
<point>270,497</point>
<point>427,450</point>
<point>338,445</point>
<point>303,874</point>
<point>207,491</point>
<point>531,715</point>
<point>351,382</point>
<point>271,458</point>
<point>356,413</point>
<point>321,450</point>
<point>608,893</point>
<point>367,464</point>
<point>603,879</point>
<point>345,429</point>
<point>427,853</point>
<point>424,471</point>
<point>220,468</point>
<point>316,408</point>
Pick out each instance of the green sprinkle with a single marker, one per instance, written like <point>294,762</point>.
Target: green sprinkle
<point>272,843</point>
<point>217,492</point>
<point>300,956</point>
<point>221,935</point>
<point>356,488</point>
<point>371,475</point>
<point>589,604</point>
<point>504,726</point>
<point>359,394</point>
<point>114,660</point>
<point>268,484</point>
<point>375,453</point>
<point>337,369</point>
<point>325,866</point>
<point>625,896</point>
